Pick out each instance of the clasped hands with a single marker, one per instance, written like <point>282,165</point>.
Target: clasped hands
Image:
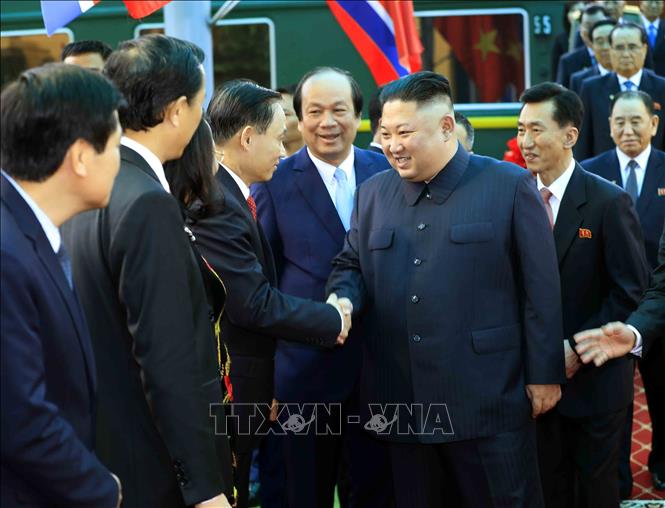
<point>345,308</point>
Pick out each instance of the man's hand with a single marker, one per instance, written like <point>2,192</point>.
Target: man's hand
<point>117,480</point>
<point>572,360</point>
<point>601,344</point>
<point>543,398</point>
<point>216,502</point>
<point>345,308</point>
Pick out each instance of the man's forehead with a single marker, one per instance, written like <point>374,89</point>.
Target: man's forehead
<point>629,107</point>
<point>628,33</point>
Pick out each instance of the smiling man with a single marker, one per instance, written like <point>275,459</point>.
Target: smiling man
<point>451,260</point>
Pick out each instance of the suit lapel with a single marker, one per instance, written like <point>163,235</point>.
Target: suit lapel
<point>316,194</point>
<point>363,165</point>
<point>569,217</point>
<point>133,158</point>
<point>614,169</point>
<point>654,172</point>
<point>32,229</point>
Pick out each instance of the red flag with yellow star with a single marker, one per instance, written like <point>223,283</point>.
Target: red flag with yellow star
<point>489,49</point>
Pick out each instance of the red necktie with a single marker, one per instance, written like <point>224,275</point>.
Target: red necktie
<point>546,195</point>
<point>252,206</point>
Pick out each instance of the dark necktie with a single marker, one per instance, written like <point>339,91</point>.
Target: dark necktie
<point>66,265</point>
<point>546,195</point>
<point>252,206</point>
<point>631,181</point>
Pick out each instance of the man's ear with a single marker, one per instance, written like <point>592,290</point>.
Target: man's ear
<point>78,157</point>
<point>246,135</point>
<point>447,126</point>
<point>570,137</point>
<point>174,110</point>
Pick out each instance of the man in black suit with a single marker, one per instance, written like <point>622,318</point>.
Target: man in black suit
<point>144,298</point>
<point>248,126</point>
<point>603,272</point>
<point>600,43</point>
<point>583,57</point>
<point>652,10</point>
<point>48,373</point>
<point>640,170</point>
<point>628,50</point>
<point>451,261</point>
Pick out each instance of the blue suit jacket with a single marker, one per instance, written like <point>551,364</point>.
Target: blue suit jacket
<point>651,202</point>
<point>596,95</point>
<point>48,375</point>
<point>305,233</point>
<point>458,283</point>
<point>578,78</point>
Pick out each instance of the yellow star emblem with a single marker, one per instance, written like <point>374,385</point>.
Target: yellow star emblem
<point>486,44</point>
<point>515,51</point>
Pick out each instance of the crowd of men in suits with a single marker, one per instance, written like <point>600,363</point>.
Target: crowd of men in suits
<point>496,316</point>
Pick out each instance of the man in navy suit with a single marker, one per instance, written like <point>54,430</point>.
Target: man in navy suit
<point>581,58</point>
<point>60,137</point>
<point>451,262</point>
<point>628,50</point>
<point>652,10</point>
<point>600,43</point>
<point>603,272</point>
<point>305,212</point>
<point>640,169</point>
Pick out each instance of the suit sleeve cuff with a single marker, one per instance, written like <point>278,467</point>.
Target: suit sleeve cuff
<point>637,348</point>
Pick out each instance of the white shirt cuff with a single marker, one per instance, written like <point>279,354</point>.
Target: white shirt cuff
<point>341,316</point>
<point>637,348</point>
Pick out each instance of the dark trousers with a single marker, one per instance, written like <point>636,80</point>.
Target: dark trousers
<point>652,368</point>
<point>312,462</point>
<point>499,471</point>
<point>579,459</point>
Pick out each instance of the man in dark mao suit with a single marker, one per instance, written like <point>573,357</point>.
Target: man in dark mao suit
<point>451,263</point>
<point>49,380</point>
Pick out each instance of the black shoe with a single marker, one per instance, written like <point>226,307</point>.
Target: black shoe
<point>658,480</point>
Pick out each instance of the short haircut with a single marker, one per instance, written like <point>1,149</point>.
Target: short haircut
<point>356,93</point>
<point>239,103</point>
<point>420,87</point>
<point>89,46</point>
<point>592,9</point>
<point>568,108</point>
<point>464,122</point>
<point>630,25</point>
<point>635,94</point>
<point>287,90</point>
<point>46,110</point>
<point>599,23</point>
<point>152,72</point>
<point>374,110</point>
<point>190,177</point>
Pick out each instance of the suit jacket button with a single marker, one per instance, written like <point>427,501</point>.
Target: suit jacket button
<point>417,261</point>
<point>415,299</point>
<point>416,338</point>
<point>421,226</point>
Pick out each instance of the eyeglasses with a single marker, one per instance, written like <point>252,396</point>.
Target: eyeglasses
<point>631,47</point>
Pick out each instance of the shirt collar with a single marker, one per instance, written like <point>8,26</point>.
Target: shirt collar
<point>443,184</point>
<point>647,23</point>
<point>50,230</point>
<point>558,186</point>
<point>152,160</point>
<point>642,159</point>
<point>635,79</point>
<point>242,185</point>
<point>602,69</point>
<point>327,170</point>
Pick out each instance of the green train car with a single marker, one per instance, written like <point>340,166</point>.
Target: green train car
<point>490,50</point>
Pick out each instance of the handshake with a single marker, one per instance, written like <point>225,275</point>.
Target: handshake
<point>599,345</point>
<point>345,308</point>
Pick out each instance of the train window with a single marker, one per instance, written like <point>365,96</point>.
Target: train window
<point>243,48</point>
<point>484,53</point>
<point>23,49</point>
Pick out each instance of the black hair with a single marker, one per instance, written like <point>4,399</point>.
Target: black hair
<point>599,23</point>
<point>89,46</point>
<point>632,26</point>
<point>46,110</point>
<point>288,89</point>
<point>374,110</point>
<point>191,179</point>
<point>592,9</point>
<point>421,87</point>
<point>464,122</point>
<point>239,103</point>
<point>635,94</point>
<point>568,108</point>
<point>152,72</point>
<point>356,93</point>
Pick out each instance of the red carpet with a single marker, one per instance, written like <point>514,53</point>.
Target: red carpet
<point>642,487</point>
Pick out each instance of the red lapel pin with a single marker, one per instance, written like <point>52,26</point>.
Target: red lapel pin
<point>585,233</point>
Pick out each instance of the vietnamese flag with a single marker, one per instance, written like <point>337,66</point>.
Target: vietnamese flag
<point>142,8</point>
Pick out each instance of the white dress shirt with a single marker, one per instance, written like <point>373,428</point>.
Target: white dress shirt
<point>152,160</point>
<point>558,188</point>
<point>640,171</point>
<point>648,23</point>
<point>327,172</point>
<point>602,69</point>
<point>635,79</point>
<point>50,230</point>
